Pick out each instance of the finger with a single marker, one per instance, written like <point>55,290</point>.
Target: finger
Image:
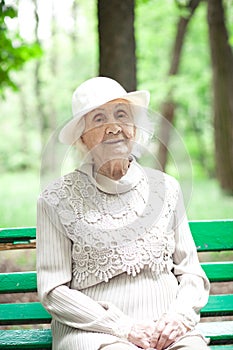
<point>139,339</point>
<point>166,338</point>
<point>154,339</point>
<point>159,327</point>
<point>148,332</point>
<point>142,343</point>
<point>145,344</point>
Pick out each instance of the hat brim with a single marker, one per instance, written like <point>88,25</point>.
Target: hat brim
<point>69,133</point>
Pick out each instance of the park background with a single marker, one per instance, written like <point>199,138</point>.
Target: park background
<point>49,47</point>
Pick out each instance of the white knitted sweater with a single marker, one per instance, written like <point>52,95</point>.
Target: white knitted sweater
<point>110,253</point>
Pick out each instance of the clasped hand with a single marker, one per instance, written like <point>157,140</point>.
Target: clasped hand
<point>157,335</point>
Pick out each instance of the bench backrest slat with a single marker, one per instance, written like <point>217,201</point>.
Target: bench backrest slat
<point>218,305</point>
<point>29,313</point>
<point>219,271</point>
<point>18,282</point>
<point>216,235</point>
<point>23,313</point>
<point>17,234</point>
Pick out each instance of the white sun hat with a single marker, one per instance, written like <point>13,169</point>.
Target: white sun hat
<point>92,94</point>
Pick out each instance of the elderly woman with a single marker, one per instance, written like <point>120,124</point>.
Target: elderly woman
<point>117,266</point>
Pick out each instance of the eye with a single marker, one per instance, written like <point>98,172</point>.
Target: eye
<point>99,118</point>
<point>121,114</point>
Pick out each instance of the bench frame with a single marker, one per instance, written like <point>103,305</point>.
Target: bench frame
<point>209,236</point>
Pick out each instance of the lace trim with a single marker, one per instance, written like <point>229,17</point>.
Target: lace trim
<point>105,263</point>
<point>112,233</point>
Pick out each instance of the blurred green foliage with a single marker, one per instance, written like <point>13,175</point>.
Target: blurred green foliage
<point>192,87</point>
<point>155,29</point>
<point>19,192</point>
<point>14,51</point>
<point>75,50</point>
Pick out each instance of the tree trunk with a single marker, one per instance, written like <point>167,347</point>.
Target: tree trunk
<point>168,107</point>
<point>117,42</point>
<point>222,64</point>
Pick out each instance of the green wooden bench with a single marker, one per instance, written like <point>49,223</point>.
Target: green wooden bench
<point>209,236</point>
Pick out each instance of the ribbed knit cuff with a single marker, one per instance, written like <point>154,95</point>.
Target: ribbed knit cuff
<point>123,329</point>
<point>120,323</point>
<point>189,318</point>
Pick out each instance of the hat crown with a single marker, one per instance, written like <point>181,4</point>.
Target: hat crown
<point>95,92</point>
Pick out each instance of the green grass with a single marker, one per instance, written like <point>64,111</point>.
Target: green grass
<point>19,192</point>
<point>209,202</point>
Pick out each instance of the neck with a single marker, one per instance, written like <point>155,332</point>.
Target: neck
<point>114,168</point>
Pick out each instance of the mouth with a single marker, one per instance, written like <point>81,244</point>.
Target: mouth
<point>113,141</point>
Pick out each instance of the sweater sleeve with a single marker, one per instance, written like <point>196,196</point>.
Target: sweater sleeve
<point>54,271</point>
<point>193,288</point>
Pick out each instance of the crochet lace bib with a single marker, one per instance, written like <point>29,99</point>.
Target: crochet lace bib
<point>115,233</point>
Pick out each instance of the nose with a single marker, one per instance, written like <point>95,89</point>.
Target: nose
<point>113,128</point>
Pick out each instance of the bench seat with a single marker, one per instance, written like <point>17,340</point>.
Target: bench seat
<point>25,339</point>
<point>218,332</point>
<point>41,338</point>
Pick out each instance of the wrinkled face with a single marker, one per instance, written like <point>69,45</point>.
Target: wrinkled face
<point>109,131</point>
